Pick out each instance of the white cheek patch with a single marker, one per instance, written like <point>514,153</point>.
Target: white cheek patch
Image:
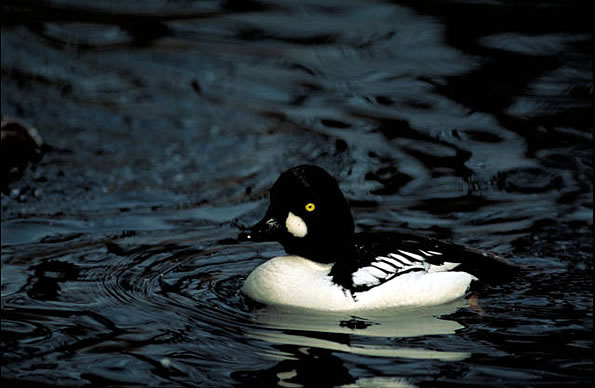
<point>296,226</point>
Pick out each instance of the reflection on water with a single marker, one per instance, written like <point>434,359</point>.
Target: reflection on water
<point>402,322</point>
<point>165,123</point>
<point>343,333</point>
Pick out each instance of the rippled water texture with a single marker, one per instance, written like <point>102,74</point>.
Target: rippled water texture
<point>165,123</point>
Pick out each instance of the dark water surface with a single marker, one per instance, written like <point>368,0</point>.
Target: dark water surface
<point>166,122</point>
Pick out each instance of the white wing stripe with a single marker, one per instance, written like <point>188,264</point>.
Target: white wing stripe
<point>376,272</point>
<point>400,258</point>
<point>446,266</point>
<point>394,262</point>
<point>368,276</point>
<point>412,255</point>
<point>385,266</point>
<point>362,276</point>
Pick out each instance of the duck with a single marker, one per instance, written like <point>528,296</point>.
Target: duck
<point>329,267</point>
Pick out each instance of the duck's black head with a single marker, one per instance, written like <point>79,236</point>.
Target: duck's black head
<point>308,215</point>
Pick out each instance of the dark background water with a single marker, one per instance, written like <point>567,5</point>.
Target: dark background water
<point>165,122</point>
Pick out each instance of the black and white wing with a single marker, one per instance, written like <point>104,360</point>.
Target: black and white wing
<point>384,268</point>
<point>382,256</point>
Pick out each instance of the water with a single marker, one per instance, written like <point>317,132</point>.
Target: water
<point>166,123</point>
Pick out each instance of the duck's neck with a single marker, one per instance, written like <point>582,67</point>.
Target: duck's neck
<point>323,251</point>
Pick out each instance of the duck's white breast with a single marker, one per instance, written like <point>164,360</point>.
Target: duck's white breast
<point>296,281</point>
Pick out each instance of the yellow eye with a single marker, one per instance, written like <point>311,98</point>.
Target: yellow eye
<point>310,207</point>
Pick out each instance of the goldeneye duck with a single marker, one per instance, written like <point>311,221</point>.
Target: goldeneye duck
<point>329,267</point>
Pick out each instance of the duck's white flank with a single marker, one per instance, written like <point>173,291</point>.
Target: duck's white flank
<point>296,281</point>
